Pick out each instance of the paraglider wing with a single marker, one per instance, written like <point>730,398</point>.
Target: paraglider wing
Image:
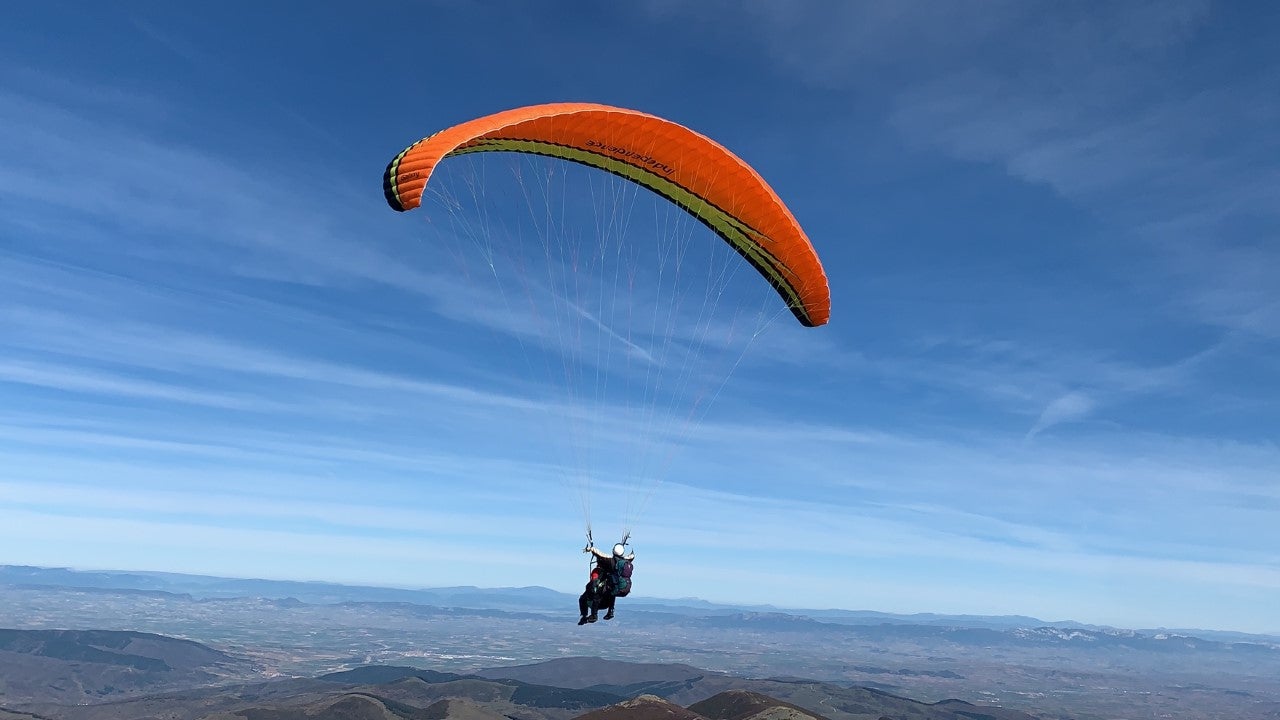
<point>691,170</point>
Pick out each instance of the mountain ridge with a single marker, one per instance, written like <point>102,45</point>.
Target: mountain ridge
<point>538,599</point>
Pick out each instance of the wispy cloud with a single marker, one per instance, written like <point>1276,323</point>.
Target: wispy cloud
<point>75,380</point>
<point>783,536</point>
<point>1065,408</point>
<point>256,230</point>
<point>1158,163</point>
<point>1098,107</point>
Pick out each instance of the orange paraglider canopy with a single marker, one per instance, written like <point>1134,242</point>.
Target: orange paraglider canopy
<point>689,169</point>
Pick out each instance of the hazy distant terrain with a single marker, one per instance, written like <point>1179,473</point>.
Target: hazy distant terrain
<point>75,658</point>
<point>74,666</point>
<point>305,629</point>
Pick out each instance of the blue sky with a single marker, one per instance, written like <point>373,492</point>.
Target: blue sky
<point>1047,387</point>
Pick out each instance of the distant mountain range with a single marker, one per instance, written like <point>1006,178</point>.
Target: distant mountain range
<point>1009,630</point>
<point>105,675</point>
<point>835,665</point>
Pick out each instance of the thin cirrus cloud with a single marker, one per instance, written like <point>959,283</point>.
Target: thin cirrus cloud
<point>1098,109</point>
<point>241,204</point>
<point>1159,163</point>
<point>239,215</point>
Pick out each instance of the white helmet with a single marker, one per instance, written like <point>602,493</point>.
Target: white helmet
<point>619,550</point>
